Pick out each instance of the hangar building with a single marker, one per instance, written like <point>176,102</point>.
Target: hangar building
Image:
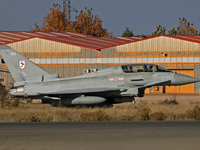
<point>71,54</point>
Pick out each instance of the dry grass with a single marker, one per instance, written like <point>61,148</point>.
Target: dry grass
<point>95,116</point>
<point>143,112</point>
<point>120,112</point>
<point>193,114</point>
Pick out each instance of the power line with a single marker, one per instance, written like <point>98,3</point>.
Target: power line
<point>76,3</point>
<point>21,16</point>
<point>36,14</point>
<point>12,7</point>
<point>2,5</point>
<point>36,23</point>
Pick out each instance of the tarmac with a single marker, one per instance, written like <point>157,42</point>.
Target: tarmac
<point>164,135</point>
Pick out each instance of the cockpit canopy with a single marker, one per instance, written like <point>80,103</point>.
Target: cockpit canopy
<point>133,68</point>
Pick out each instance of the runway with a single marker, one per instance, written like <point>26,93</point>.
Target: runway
<point>176,135</point>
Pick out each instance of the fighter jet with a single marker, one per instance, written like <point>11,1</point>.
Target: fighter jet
<point>112,85</point>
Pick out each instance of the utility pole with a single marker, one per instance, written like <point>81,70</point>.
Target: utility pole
<point>64,4</point>
<point>69,10</point>
<point>68,2</point>
<point>67,7</point>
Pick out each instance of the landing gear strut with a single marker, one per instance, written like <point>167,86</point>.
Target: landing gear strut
<point>133,101</point>
<point>60,103</point>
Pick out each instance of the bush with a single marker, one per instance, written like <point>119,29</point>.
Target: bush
<point>31,118</point>
<point>143,112</point>
<point>180,116</point>
<point>168,102</point>
<point>125,118</point>
<point>62,115</point>
<point>14,103</point>
<point>4,94</point>
<point>193,114</point>
<point>95,116</point>
<point>11,103</point>
<point>159,116</point>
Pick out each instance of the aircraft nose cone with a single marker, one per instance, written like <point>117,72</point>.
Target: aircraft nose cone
<point>181,79</point>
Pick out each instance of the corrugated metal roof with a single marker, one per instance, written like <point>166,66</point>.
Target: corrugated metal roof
<point>195,39</point>
<point>67,38</point>
<point>81,39</point>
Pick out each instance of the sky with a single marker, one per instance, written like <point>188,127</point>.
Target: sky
<point>141,16</point>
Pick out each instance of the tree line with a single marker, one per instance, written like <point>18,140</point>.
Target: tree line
<point>87,24</point>
<point>184,28</point>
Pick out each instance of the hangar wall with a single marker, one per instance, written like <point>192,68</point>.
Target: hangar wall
<point>70,60</point>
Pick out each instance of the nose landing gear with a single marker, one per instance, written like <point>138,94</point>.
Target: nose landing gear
<point>133,101</point>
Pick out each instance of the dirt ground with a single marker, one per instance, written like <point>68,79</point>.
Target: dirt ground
<point>180,98</point>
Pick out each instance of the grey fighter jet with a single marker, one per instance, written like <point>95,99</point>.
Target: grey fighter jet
<point>112,85</point>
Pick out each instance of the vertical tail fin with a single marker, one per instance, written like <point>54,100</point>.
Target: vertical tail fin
<point>20,67</point>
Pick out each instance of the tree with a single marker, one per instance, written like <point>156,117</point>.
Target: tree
<point>127,33</point>
<point>159,31</point>
<point>53,21</point>
<point>173,32</point>
<point>185,28</point>
<point>86,23</point>
<point>4,95</point>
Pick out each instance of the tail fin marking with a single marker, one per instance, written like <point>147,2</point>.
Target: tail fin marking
<point>20,67</point>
